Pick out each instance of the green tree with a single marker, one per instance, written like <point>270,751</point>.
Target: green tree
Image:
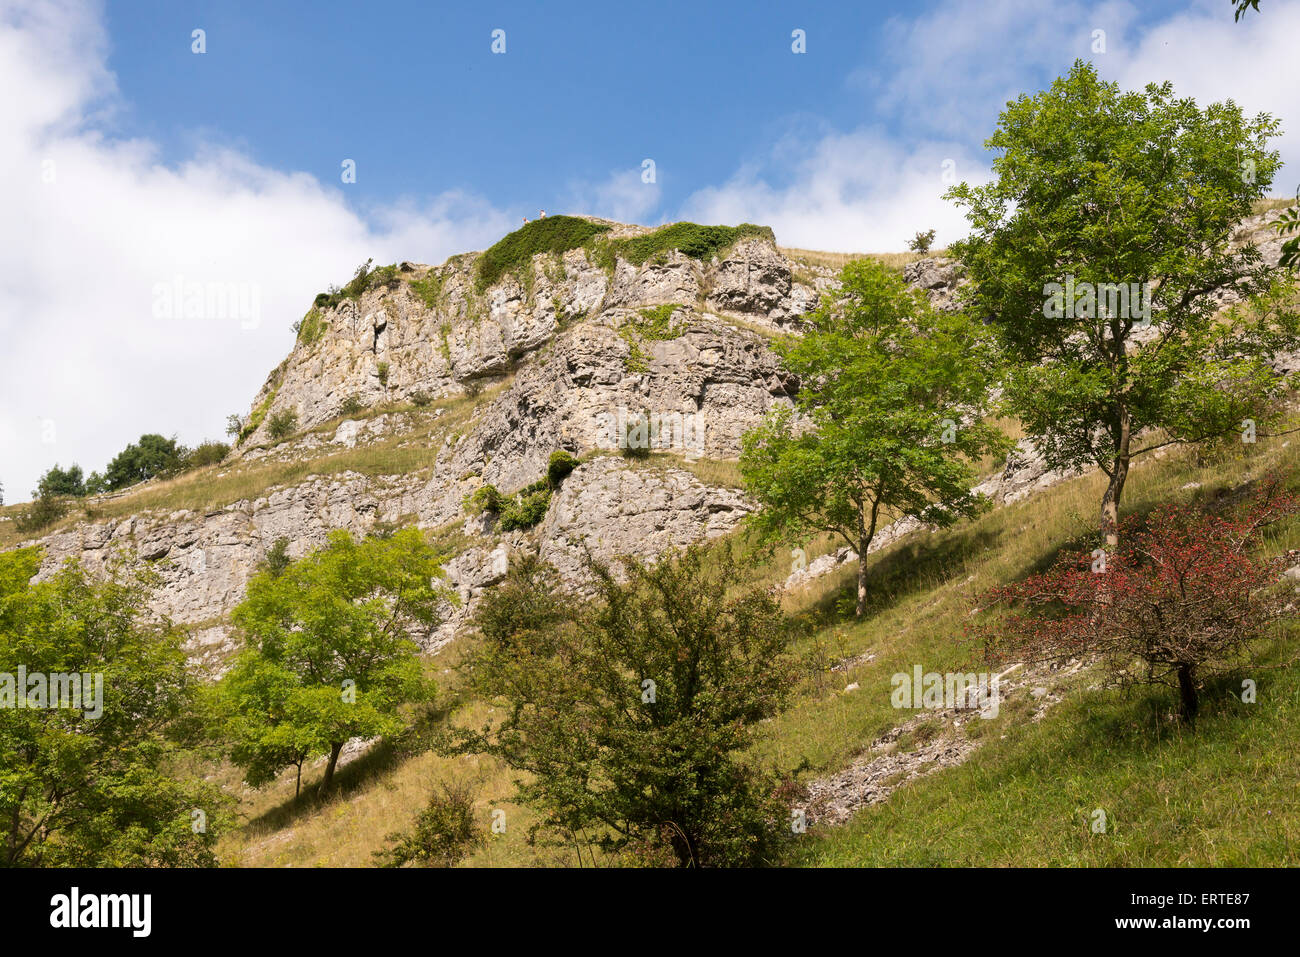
<point>921,242</point>
<point>1099,253</point>
<point>140,461</point>
<point>328,651</point>
<point>282,424</point>
<point>630,713</point>
<point>96,786</point>
<point>59,481</point>
<point>886,422</point>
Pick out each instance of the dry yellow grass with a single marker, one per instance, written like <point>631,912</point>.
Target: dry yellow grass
<point>832,260</point>
<point>923,587</point>
<point>218,486</point>
<point>1264,205</point>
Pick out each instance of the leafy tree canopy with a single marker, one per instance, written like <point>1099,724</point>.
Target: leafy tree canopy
<point>631,713</point>
<point>886,422</point>
<point>59,481</point>
<point>79,788</point>
<point>329,652</point>
<point>1101,252</point>
<point>140,461</point>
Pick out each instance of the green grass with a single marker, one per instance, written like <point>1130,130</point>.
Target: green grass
<point>256,417</point>
<point>311,328</point>
<point>837,261</point>
<point>654,323</point>
<point>515,251</point>
<point>1026,798</point>
<point>429,289</point>
<point>212,487</point>
<point>1032,781</point>
<point>1221,795</point>
<point>1265,205</point>
<point>690,239</point>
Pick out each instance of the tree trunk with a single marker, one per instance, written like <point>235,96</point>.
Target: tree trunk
<point>683,847</point>
<point>297,788</point>
<point>862,579</point>
<point>329,768</point>
<point>1187,691</point>
<point>1115,491</point>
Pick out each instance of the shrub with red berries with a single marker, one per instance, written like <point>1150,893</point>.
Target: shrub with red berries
<point>1182,599</point>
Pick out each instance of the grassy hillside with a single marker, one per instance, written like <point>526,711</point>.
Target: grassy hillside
<point>1222,795</point>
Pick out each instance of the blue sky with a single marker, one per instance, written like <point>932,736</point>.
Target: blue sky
<point>128,162</point>
<point>416,96</point>
<point>412,92</point>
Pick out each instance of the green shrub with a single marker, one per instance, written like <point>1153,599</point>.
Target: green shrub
<point>277,558</point>
<point>382,369</point>
<point>654,323</point>
<point>311,327</point>
<point>352,405</point>
<point>636,712</point>
<point>205,453</point>
<point>429,289</point>
<point>362,280</point>
<point>57,481</point>
<point>558,468</point>
<point>283,424</point>
<point>152,456</point>
<point>444,833</point>
<point>921,242</point>
<point>383,276</point>
<point>636,437</point>
<point>420,399</point>
<point>515,251</point>
<point>41,514</point>
<point>527,508</point>
<point>444,342</point>
<point>484,499</point>
<point>691,239</point>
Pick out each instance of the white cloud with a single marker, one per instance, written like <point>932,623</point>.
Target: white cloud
<point>947,76</point>
<point>84,359</point>
<point>854,192</point>
<point>1211,59</point>
<point>623,196</point>
<point>950,72</point>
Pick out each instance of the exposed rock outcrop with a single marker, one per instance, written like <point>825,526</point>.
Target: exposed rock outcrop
<point>577,361</point>
<point>439,333</point>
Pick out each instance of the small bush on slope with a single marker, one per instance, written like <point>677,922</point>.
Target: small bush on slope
<point>1181,594</point>
<point>662,680</point>
<point>444,832</point>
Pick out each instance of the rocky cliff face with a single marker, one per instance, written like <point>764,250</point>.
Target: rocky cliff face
<point>573,354</point>
<point>429,330</point>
